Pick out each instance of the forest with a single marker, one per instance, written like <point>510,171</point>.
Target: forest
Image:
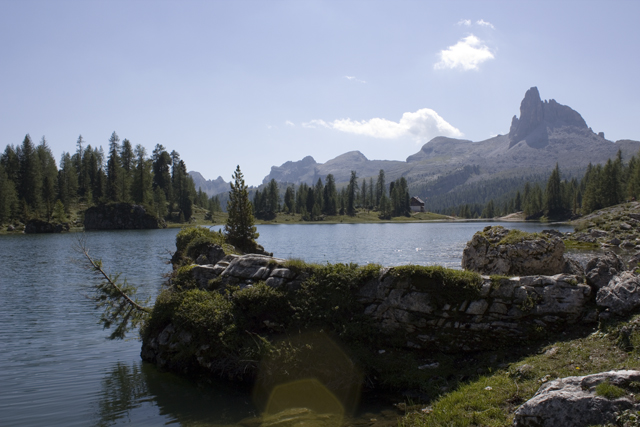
<point>556,198</point>
<point>314,202</point>
<point>32,186</point>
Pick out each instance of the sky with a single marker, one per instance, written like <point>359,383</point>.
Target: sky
<point>259,83</point>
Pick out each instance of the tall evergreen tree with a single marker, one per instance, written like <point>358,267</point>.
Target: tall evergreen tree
<point>67,181</point>
<point>161,175</point>
<point>30,178</point>
<point>330,196</point>
<point>352,190</point>
<point>8,199</point>
<point>240,230</point>
<point>141,188</point>
<point>553,206</point>
<point>127,159</point>
<point>380,187</point>
<point>49,173</point>
<point>114,167</point>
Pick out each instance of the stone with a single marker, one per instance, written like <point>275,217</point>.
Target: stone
<point>487,253</point>
<point>600,270</point>
<point>598,233</point>
<point>120,216</point>
<point>573,401</point>
<point>477,307</point>
<point>37,226</point>
<point>621,295</point>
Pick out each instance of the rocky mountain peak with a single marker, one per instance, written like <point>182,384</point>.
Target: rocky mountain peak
<point>536,117</point>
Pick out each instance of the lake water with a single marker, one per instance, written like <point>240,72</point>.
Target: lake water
<point>58,369</point>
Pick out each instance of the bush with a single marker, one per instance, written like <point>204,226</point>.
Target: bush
<point>610,391</point>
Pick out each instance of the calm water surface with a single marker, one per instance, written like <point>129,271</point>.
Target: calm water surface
<point>59,370</point>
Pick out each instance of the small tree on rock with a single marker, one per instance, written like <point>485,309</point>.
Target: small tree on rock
<point>240,229</point>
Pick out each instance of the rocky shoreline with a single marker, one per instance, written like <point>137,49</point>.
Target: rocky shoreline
<point>518,289</point>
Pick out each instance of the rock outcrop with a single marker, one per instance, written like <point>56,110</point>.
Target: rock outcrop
<point>37,226</point>
<point>621,295</point>
<point>601,269</point>
<point>536,117</point>
<point>120,216</point>
<point>575,401</point>
<point>496,250</point>
<point>503,311</point>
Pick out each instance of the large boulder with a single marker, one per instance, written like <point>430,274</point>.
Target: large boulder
<point>120,216</point>
<point>600,270</point>
<point>496,250</point>
<point>621,295</point>
<point>578,401</point>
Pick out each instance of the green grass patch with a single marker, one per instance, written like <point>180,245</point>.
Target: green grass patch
<point>610,391</point>
<point>446,286</point>
<point>575,244</point>
<point>491,400</point>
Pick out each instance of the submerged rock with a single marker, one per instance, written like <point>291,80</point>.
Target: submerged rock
<point>578,402</point>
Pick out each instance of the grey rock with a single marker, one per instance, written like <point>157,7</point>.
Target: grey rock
<point>478,307</point>
<point>598,233</point>
<point>486,254</point>
<point>573,402</point>
<point>621,295</point>
<point>600,270</point>
<point>120,216</point>
<point>615,241</point>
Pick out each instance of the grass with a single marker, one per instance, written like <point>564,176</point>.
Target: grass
<point>491,400</point>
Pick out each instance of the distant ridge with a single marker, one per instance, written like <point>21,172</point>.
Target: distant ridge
<point>211,187</point>
<point>546,133</point>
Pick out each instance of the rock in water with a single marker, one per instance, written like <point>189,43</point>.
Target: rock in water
<point>120,216</point>
<point>575,401</point>
<point>496,250</point>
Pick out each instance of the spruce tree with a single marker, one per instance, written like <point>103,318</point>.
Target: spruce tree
<point>240,230</point>
<point>114,167</point>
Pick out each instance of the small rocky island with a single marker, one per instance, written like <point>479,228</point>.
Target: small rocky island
<point>243,317</point>
<point>120,216</point>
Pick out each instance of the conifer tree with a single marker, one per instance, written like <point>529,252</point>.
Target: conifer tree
<point>49,174</point>
<point>352,190</point>
<point>114,167</point>
<point>30,178</point>
<point>240,230</point>
<point>330,196</point>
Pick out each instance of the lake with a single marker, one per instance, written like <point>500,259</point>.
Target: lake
<point>58,369</point>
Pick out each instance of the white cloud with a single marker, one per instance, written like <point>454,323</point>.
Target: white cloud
<point>467,54</point>
<point>315,123</point>
<point>354,79</point>
<point>484,23</point>
<point>465,22</point>
<point>423,125</point>
<point>289,123</point>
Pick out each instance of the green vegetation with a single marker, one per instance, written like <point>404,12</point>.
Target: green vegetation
<point>445,285</point>
<point>32,186</point>
<point>490,399</point>
<point>610,391</point>
<point>240,230</point>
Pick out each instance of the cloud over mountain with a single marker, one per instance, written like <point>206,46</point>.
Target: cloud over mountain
<point>423,124</point>
<point>467,54</point>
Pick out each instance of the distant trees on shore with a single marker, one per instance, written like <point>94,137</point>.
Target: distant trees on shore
<point>32,185</point>
<point>601,186</point>
<point>312,202</point>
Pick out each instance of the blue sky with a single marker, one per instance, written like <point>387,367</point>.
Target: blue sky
<point>257,83</point>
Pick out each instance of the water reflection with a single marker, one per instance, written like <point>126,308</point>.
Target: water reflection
<point>133,394</point>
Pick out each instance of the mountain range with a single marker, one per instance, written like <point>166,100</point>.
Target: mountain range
<point>545,133</point>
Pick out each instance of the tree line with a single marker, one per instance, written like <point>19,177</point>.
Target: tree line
<point>33,186</point>
<point>313,202</point>
<point>601,186</point>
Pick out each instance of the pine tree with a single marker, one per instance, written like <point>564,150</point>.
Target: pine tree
<point>380,187</point>
<point>127,161</point>
<point>330,196</point>
<point>30,178</point>
<point>8,199</point>
<point>553,205</point>
<point>352,190</point>
<point>49,173</point>
<point>240,230</point>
